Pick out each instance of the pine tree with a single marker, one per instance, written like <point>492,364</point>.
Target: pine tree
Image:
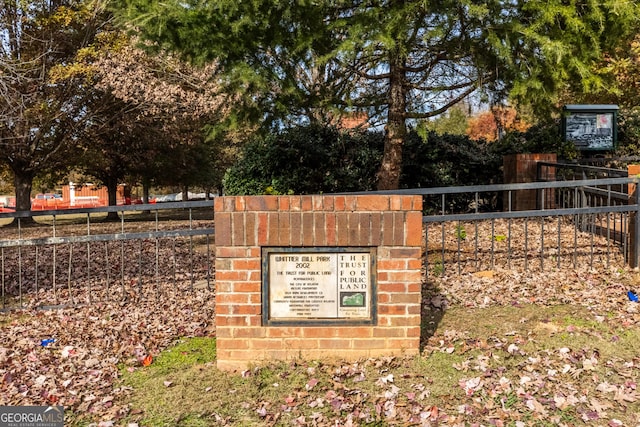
<point>397,60</point>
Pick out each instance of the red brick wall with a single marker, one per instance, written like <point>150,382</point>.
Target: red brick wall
<point>244,224</point>
<point>519,168</point>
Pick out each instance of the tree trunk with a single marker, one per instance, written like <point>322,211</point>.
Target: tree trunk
<point>145,191</point>
<point>391,167</point>
<point>185,193</point>
<point>112,191</point>
<point>145,194</point>
<point>23,183</point>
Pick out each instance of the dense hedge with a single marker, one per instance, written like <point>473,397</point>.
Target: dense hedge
<point>541,138</point>
<point>307,160</point>
<point>322,159</point>
<point>446,160</point>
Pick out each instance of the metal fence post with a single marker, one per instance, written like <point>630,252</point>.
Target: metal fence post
<point>634,217</point>
<point>636,231</point>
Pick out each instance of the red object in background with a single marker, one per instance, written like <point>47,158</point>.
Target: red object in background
<point>82,196</point>
<point>48,201</point>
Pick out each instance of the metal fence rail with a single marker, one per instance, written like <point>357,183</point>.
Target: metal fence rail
<point>582,222</point>
<point>74,256</point>
<point>556,171</point>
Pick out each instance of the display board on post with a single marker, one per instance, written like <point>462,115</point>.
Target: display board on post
<point>591,127</point>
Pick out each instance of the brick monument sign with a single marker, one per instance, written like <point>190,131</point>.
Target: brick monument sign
<point>326,276</point>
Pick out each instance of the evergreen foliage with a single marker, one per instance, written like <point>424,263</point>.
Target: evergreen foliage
<point>448,160</point>
<point>544,137</point>
<point>629,132</point>
<point>322,159</point>
<point>306,160</point>
<point>398,61</point>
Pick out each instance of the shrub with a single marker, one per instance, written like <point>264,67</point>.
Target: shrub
<point>307,160</point>
<point>323,159</point>
<point>629,132</point>
<point>449,160</point>
<point>540,138</point>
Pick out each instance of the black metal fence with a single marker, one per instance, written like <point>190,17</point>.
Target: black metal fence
<point>559,171</point>
<point>74,256</point>
<point>581,222</point>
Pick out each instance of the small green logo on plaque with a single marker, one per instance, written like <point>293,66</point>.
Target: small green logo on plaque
<point>352,299</point>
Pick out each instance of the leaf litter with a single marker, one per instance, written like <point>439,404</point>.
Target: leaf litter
<point>542,370</point>
<point>80,369</point>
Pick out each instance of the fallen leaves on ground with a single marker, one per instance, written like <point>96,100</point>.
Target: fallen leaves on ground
<point>79,370</point>
<point>497,379</point>
<point>603,292</point>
